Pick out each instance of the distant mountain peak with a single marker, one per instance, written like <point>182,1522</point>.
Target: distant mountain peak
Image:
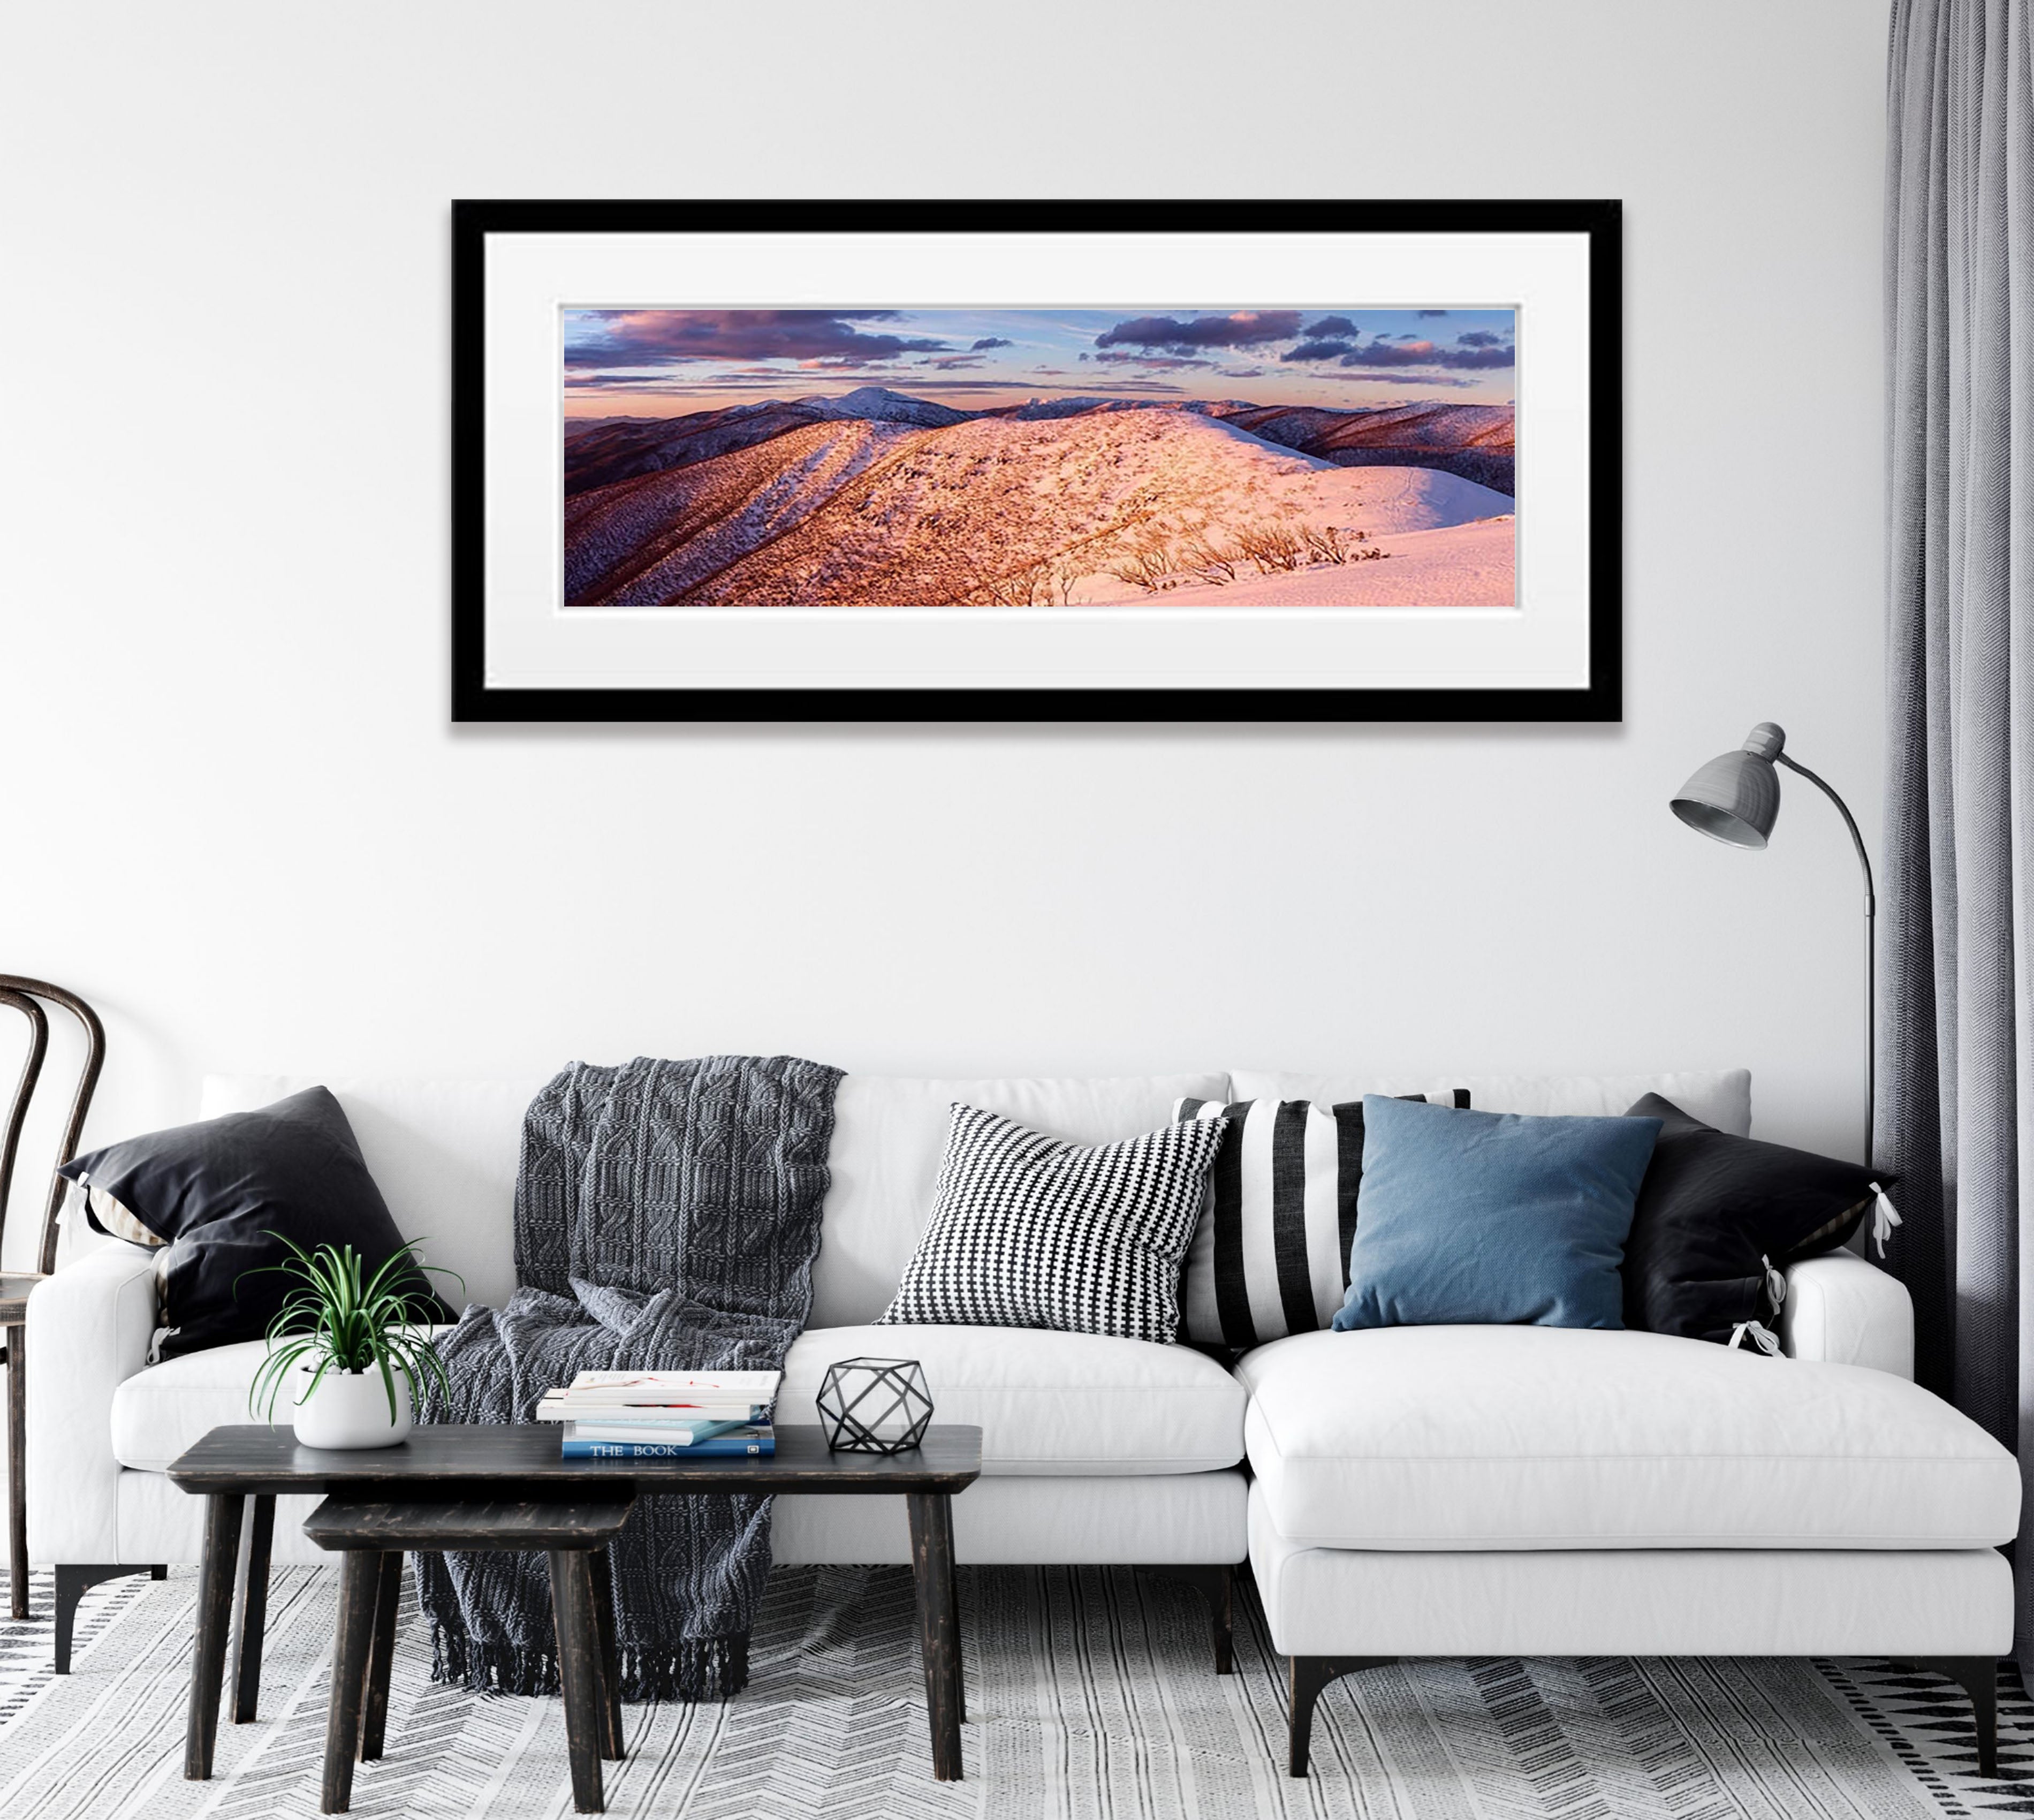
<point>881,404</point>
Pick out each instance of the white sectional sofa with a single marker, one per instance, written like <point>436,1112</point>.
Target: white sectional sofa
<point>1408,1492</point>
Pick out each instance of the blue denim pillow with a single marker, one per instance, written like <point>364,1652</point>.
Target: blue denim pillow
<point>1470,1218</point>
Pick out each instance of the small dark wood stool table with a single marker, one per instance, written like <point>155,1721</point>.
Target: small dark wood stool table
<point>374,1536</point>
<point>476,1466</point>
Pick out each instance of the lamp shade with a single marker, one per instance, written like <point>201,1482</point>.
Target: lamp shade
<point>1736,798</point>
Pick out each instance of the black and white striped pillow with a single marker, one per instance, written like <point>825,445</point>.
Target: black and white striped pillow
<point>1029,1231</point>
<point>1269,1254</point>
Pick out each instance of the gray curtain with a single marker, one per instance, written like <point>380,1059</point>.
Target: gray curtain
<point>1956,1112</point>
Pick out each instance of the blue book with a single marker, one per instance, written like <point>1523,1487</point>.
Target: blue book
<point>722,1445</point>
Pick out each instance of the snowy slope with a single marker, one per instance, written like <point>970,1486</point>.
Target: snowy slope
<point>1456,565</point>
<point>1474,440</point>
<point>644,543</point>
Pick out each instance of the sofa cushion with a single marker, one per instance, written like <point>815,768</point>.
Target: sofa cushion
<point>1028,1231</point>
<point>1720,1215</point>
<point>889,1132</point>
<point>442,1152</point>
<point>1468,1217</point>
<point>158,1413</point>
<point>1574,1438</point>
<point>1048,1404</point>
<point>242,1199</point>
<point>1269,1254</point>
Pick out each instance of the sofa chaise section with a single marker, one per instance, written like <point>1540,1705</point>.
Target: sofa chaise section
<point>1547,1491</point>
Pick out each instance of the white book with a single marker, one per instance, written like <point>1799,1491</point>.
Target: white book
<point>557,1406</point>
<point>675,1387</point>
<point>653,1415</point>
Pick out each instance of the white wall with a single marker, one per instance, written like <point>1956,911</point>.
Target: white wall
<point>234,815</point>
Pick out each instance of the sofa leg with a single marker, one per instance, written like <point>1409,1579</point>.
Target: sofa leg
<point>1216,1585</point>
<point>1978,1676</point>
<point>1308,1674</point>
<point>72,1582</point>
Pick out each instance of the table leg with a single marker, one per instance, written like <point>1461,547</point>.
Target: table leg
<point>579,1668</point>
<point>215,1619</point>
<point>387,1598</point>
<point>17,1469</point>
<point>360,1575</point>
<point>953,1599</point>
<point>938,1624</point>
<point>254,1613</point>
<point>610,1653</point>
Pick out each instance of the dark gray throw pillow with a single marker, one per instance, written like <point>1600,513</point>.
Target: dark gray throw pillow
<point>220,1190</point>
<point>1717,1212</point>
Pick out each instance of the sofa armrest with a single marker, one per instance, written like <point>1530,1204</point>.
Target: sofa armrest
<point>89,1328</point>
<point>1842,1311</point>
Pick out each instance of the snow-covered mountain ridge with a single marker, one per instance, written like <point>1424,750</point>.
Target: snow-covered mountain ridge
<point>994,509</point>
<point>1473,441</point>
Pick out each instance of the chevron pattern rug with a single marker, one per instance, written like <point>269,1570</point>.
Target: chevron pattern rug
<point>1090,1697</point>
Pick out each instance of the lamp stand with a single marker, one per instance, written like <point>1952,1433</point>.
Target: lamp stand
<point>1870,948</point>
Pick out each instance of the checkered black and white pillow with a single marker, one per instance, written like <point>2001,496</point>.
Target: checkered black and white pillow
<point>1270,1256</point>
<point>1028,1231</point>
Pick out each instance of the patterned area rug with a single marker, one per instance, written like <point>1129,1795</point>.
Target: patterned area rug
<point>1089,1696</point>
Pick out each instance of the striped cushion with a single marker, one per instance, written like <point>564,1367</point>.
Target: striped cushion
<point>1029,1231</point>
<point>1269,1254</point>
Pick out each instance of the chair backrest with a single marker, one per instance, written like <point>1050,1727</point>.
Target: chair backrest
<point>24,1091</point>
<point>23,995</point>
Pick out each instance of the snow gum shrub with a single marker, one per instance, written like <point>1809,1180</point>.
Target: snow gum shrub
<point>1271,547</point>
<point>1335,543</point>
<point>1209,559</point>
<point>1048,582</point>
<point>1325,543</point>
<point>1149,562</point>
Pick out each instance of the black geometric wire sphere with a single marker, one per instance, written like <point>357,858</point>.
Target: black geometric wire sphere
<point>875,1405</point>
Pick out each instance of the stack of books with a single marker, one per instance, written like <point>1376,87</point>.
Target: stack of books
<point>665,1414</point>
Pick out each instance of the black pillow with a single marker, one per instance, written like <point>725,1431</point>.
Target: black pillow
<point>1715,1211</point>
<point>220,1190</point>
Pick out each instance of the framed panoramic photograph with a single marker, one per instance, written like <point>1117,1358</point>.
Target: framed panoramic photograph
<point>1265,461</point>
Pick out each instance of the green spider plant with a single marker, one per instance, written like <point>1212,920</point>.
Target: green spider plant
<point>346,1324</point>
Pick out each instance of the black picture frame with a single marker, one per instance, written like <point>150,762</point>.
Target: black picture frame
<point>473,700</point>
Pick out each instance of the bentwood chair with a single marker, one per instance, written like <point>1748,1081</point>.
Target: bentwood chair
<point>24,996</point>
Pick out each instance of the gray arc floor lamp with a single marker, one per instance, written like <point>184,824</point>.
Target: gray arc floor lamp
<point>1735,799</point>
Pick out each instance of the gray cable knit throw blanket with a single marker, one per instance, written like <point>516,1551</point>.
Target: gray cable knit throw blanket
<point>667,1214</point>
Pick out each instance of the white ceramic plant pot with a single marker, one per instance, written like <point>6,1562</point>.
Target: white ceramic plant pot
<point>348,1410</point>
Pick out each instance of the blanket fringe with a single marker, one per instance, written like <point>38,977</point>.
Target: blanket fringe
<point>699,1669</point>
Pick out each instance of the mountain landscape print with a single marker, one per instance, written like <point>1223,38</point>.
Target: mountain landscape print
<point>1040,459</point>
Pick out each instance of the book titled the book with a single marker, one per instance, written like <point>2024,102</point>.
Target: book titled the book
<point>719,1446</point>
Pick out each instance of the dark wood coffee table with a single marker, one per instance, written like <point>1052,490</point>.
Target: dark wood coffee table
<point>455,1463</point>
